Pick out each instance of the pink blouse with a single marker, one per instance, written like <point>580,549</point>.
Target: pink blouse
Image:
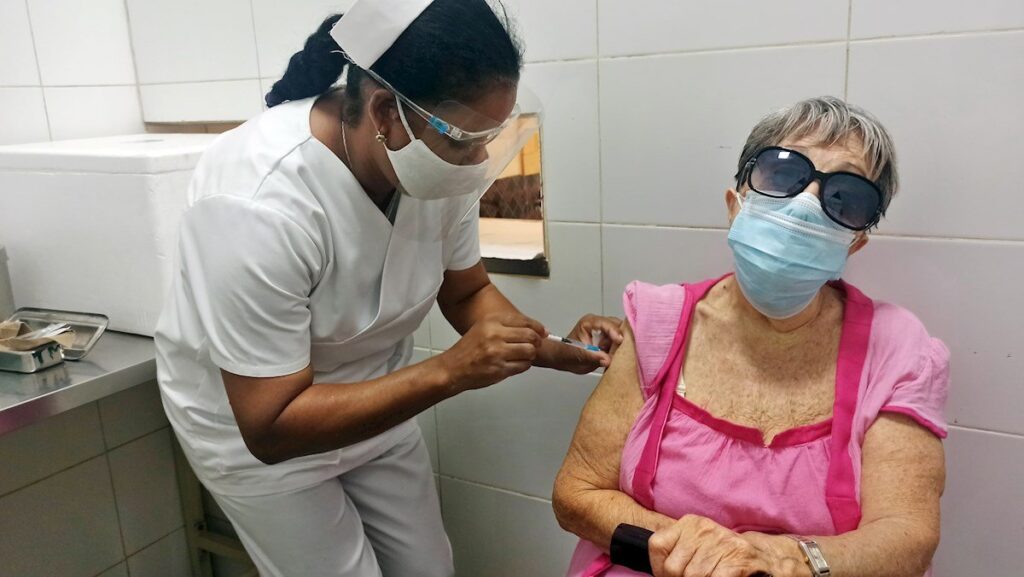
<point>679,459</point>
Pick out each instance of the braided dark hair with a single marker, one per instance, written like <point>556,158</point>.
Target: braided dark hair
<point>454,50</point>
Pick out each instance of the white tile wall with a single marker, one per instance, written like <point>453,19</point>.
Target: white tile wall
<point>90,111</point>
<point>282,27</point>
<point>227,100</point>
<point>65,440</point>
<point>57,479</point>
<point>500,534</point>
<point>660,256</point>
<point>18,66</point>
<point>74,535</point>
<point>962,291</point>
<point>146,487</point>
<point>874,18</point>
<point>513,435</point>
<point>131,414</point>
<point>23,116</point>
<point>564,30</point>
<point>654,26</point>
<point>570,140</point>
<point>82,43</point>
<point>668,154</point>
<point>957,127</point>
<point>168,557</point>
<point>119,570</point>
<point>983,505</point>
<point>193,40</point>
<point>421,338</point>
<point>575,258</point>
<point>574,254</point>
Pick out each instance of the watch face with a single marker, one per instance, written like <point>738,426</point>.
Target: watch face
<point>815,559</point>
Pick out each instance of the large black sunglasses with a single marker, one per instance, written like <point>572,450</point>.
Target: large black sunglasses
<point>849,199</point>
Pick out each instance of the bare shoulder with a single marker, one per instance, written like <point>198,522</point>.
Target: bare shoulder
<point>606,420</point>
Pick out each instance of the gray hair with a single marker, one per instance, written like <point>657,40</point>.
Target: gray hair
<point>829,120</point>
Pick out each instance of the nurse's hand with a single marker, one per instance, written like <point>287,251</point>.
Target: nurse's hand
<point>493,349</point>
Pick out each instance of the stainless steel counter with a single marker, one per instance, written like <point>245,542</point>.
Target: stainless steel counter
<point>118,362</point>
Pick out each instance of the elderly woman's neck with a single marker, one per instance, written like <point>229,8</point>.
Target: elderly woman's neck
<point>781,326</point>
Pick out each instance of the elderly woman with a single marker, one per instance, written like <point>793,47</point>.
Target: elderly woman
<point>776,420</point>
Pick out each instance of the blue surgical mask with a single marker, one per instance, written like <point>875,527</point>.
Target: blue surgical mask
<point>785,250</point>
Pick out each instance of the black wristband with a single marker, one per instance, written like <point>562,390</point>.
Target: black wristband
<point>629,548</point>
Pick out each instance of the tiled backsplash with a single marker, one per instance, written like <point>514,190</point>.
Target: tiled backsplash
<point>92,492</point>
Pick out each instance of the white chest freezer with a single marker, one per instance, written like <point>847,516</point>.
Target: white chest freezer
<point>91,225</point>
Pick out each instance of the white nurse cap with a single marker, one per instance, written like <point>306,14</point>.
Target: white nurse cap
<point>370,27</point>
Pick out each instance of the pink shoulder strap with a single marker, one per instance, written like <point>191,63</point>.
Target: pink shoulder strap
<point>665,380</point>
<point>840,482</point>
<point>653,313</point>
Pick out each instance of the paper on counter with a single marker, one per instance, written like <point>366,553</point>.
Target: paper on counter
<point>13,338</point>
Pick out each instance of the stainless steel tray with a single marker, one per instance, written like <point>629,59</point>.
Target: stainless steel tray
<point>88,327</point>
<point>31,361</point>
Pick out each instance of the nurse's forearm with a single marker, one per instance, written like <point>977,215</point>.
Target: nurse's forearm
<point>286,417</point>
<point>464,313</point>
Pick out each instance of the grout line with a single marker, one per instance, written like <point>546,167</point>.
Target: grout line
<point>726,49</point>
<point>256,46</point>
<point>69,467</point>
<point>849,28</point>
<point>848,39</point>
<point>117,507</point>
<point>121,562</point>
<point>135,63</point>
<point>142,436</point>
<point>154,542</point>
<point>39,70</point>
<point>1018,436</point>
<point>208,81</point>
<point>68,86</point>
<point>498,489</point>
<point>927,35</point>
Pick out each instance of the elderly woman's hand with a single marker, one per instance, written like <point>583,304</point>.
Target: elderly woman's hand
<point>581,361</point>
<point>698,547</point>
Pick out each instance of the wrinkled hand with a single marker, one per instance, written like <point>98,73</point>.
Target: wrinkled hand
<point>494,349</point>
<point>576,360</point>
<point>609,327</point>
<point>784,553</point>
<point>698,547</point>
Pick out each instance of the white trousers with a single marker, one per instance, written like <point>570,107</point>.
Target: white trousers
<point>382,519</point>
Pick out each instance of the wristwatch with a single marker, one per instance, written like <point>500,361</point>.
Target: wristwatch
<point>812,555</point>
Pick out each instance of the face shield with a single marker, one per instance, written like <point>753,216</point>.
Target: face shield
<point>458,153</point>
<point>500,151</point>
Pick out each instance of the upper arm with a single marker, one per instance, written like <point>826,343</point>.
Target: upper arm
<point>458,285</point>
<point>249,272</point>
<point>596,448</point>
<point>903,474</point>
<point>461,247</point>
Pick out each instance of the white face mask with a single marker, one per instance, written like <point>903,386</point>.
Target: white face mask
<point>426,176</point>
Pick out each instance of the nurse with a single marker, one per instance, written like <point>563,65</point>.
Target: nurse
<point>318,237</point>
